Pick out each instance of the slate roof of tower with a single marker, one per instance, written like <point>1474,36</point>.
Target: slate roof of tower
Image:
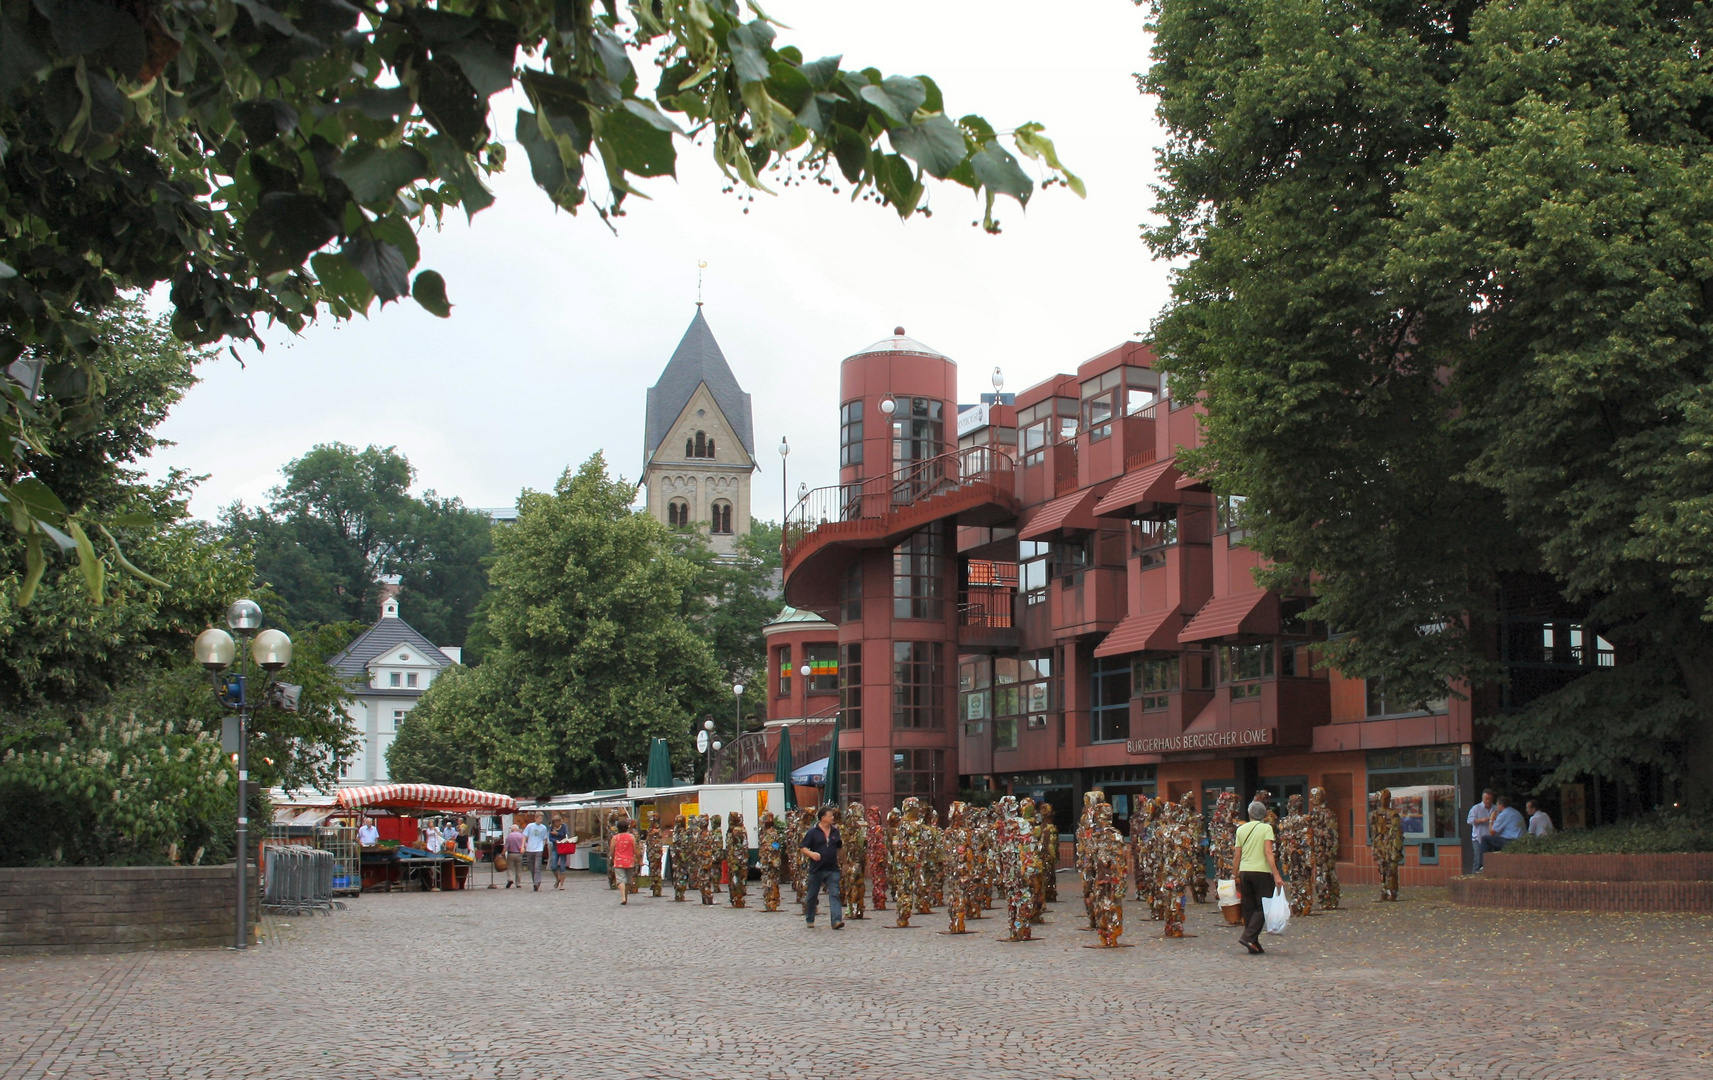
<point>385,636</point>
<point>697,360</point>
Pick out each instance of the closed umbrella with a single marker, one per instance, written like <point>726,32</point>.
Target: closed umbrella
<point>659,765</point>
<point>830,792</point>
<point>782,768</point>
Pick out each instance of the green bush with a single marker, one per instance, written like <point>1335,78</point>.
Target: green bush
<point>1659,834</point>
<point>113,789</point>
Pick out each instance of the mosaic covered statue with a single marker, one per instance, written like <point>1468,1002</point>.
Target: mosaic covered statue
<point>1048,831</point>
<point>1325,828</point>
<point>1222,836</point>
<point>805,820</point>
<point>680,858</point>
<point>1198,829</point>
<point>932,890</point>
<point>1085,850</point>
<point>1019,864</point>
<point>877,877</point>
<point>853,858</point>
<point>1386,840</point>
<point>959,868</point>
<point>705,840</point>
<point>1037,886</point>
<point>986,860</point>
<point>655,847</point>
<point>894,821</point>
<point>1297,857</point>
<point>1175,851</point>
<point>770,853</point>
<point>737,858</point>
<point>904,860</point>
<point>1111,866</point>
<point>1149,841</point>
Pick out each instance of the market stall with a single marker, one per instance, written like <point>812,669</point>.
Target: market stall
<point>394,860</point>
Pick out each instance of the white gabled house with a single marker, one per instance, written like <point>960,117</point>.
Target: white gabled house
<point>390,665</point>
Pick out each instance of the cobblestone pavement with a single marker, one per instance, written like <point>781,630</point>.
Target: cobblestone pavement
<point>509,984</point>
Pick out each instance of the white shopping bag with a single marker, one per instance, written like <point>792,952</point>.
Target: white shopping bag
<point>1228,893</point>
<point>1277,909</point>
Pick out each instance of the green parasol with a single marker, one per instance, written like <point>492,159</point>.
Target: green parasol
<point>782,768</point>
<point>830,792</point>
<point>659,765</point>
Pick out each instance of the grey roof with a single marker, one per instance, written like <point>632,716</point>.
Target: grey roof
<point>385,636</point>
<point>697,360</point>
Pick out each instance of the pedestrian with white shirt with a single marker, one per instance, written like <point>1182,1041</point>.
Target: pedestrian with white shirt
<point>535,848</point>
<point>367,834</point>
<point>1481,826</point>
<point>1539,823</point>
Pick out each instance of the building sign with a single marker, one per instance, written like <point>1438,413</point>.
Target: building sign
<point>973,418</point>
<point>1204,740</point>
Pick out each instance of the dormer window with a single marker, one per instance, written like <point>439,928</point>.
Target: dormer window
<point>699,446</point>
<point>394,681</point>
<point>410,679</point>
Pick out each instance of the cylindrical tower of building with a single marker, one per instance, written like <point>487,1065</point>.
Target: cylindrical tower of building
<point>899,604</point>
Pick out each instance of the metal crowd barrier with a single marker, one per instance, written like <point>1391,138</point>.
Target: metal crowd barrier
<point>299,880</point>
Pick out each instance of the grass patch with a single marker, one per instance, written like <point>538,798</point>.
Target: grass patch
<point>1659,834</point>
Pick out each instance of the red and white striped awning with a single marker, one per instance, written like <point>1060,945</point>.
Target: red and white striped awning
<point>429,798</point>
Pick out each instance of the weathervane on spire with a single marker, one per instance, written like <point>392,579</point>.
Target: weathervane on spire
<point>701,265</point>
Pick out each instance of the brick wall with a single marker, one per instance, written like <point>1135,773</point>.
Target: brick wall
<point>1590,883</point>
<point>118,909</point>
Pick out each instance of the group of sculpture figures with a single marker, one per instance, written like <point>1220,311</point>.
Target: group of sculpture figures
<point>1008,853</point>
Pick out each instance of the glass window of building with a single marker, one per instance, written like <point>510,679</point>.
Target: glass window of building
<point>1423,782</point>
<point>1032,570</point>
<point>700,446</point>
<point>722,520</point>
<point>394,679</point>
<point>782,662</point>
<point>1100,397</point>
<point>1156,679</point>
<point>677,513</point>
<point>1043,424</point>
<point>919,774</point>
<point>1380,705</point>
<point>850,686</point>
<point>850,774</point>
<point>919,575</point>
<point>850,594</point>
<point>823,661</point>
<point>850,434</point>
<point>409,680</point>
<point>1109,701</point>
<point>1230,518</point>
<point>975,679</point>
<point>1007,701</point>
<point>1035,672</point>
<point>918,681</point>
<point>918,431</point>
<point>1071,558</point>
<point>1141,389</point>
<point>1150,537</point>
<point>1244,666</point>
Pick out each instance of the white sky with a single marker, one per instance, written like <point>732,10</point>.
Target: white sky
<point>559,327</point>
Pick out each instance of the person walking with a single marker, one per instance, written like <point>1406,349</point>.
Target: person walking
<point>1257,873</point>
<point>535,848</point>
<point>514,855</point>
<point>557,837</point>
<point>821,848</point>
<point>622,851</point>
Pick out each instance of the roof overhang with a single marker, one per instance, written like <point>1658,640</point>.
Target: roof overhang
<point>1251,613</point>
<point>1074,511</point>
<point>1155,483</point>
<point>1148,630</point>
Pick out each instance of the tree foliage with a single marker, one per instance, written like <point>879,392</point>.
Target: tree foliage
<point>731,600</point>
<point>1447,294</point>
<point>592,655</point>
<point>272,159</point>
<point>345,517</point>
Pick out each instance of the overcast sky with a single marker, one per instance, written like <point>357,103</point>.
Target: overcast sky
<point>559,326</point>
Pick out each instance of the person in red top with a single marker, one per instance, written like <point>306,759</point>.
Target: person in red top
<point>623,856</point>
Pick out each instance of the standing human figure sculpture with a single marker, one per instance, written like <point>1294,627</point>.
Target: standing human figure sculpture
<point>1222,836</point>
<point>894,821</point>
<point>707,857</point>
<point>1198,835</point>
<point>769,851</point>
<point>679,857</point>
<point>1386,840</point>
<point>1037,880</point>
<point>1048,831</point>
<point>875,838</point>
<point>800,865</point>
<point>1085,851</point>
<point>1150,850</point>
<point>1174,845</point>
<point>1110,872</point>
<point>853,859</point>
<point>985,861</point>
<point>959,860</point>
<point>654,846</point>
<point>737,858</point>
<point>1297,857</point>
<point>1272,819</point>
<point>1324,825</point>
<point>904,869</point>
<point>932,890</point>
<point>1018,860</point>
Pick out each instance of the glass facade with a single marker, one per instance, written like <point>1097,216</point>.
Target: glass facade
<point>823,661</point>
<point>918,682</point>
<point>850,434</point>
<point>918,773</point>
<point>919,575</point>
<point>1109,701</point>
<point>1156,679</point>
<point>850,686</point>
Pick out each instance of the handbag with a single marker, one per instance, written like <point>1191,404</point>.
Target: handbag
<point>566,847</point>
<point>1277,909</point>
<point>500,862</point>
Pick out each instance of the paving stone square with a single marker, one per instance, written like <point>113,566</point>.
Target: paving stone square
<point>518,985</point>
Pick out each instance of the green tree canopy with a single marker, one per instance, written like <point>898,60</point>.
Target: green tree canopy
<point>345,517</point>
<point>1447,293</point>
<point>272,159</point>
<point>732,599</point>
<point>592,655</point>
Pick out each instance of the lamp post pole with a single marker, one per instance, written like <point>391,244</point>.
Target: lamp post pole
<point>737,711</point>
<point>784,494</point>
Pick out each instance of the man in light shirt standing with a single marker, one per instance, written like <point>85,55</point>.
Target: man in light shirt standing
<point>1539,823</point>
<point>535,847</point>
<point>1481,826</point>
<point>367,834</point>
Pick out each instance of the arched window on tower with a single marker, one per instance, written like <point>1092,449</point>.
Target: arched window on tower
<point>710,452</point>
<point>722,517</point>
<point>689,447</point>
<point>701,449</point>
<point>677,513</point>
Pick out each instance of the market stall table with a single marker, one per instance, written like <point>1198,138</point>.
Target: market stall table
<point>390,867</point>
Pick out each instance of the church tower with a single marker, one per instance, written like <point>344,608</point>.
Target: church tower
<point>699,445</point>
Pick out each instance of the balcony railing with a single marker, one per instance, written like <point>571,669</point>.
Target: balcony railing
<point>751,754</point>
<point>993,614</point>
<point>883,496</point>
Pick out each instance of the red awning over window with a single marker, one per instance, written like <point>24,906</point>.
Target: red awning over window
<point>1074,511</point>
<point>1147,630</point>
<point>1228,616</point>
<point>1156,483</point>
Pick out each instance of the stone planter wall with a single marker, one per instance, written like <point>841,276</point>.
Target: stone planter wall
<point>118,909</point>
<point>1590,883</point>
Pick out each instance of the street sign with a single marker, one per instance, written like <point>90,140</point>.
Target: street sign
<point>701,742</point>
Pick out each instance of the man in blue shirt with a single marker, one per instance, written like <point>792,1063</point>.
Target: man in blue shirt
<point>1481,826</point>
<point>1508,824</point>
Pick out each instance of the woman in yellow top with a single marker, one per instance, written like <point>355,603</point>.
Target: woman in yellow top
<point>1257,873</point>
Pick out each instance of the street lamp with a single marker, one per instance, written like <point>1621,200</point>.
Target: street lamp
<point>887,405</point>
<point>216,651</point>
<point>998,382</point>
<point>784,499</point>
<point>737,695</point>
<point>705,743</point>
